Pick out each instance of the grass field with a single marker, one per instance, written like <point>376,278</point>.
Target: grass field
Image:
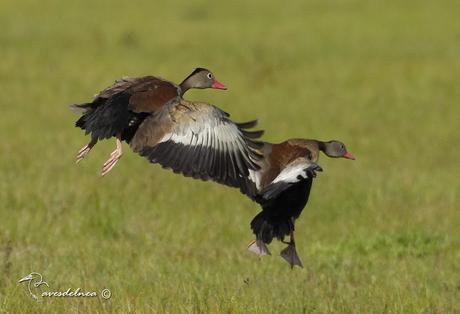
<point>379,235</point>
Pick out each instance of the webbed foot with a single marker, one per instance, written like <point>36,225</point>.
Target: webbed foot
<point>291,256</point>
<point>259,247</point>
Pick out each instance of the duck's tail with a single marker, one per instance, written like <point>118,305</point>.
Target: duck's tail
<point>81,108</point>
<point>85,110</point>
<point>267,227</point>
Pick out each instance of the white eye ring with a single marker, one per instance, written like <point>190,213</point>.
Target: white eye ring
<point>209,75</point>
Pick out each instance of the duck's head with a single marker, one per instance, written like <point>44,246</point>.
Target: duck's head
<point>201,78</point>
<point>337,149</point>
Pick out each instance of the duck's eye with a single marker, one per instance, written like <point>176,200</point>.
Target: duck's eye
<point>210,76</point>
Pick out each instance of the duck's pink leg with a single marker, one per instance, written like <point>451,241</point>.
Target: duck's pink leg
<point>114,157</point>
<point>84,151</point>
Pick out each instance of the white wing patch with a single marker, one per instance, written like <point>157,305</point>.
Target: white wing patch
<point>255,176</point>
<point>289,176</point>
<point>291,173</point>
<point>224,137</point>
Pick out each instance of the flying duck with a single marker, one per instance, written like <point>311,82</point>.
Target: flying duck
<point>118,110</point>
<point>281,186</point>
<point>199,140</point>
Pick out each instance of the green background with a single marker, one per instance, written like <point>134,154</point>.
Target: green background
<point>380,234</point>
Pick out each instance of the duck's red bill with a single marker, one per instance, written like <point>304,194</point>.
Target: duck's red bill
<point>349,156</point>
<point>218,85</point>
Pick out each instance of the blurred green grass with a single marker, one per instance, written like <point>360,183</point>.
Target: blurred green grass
<point>380,234</point>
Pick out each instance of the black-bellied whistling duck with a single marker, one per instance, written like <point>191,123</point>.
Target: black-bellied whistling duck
<point>118,110</point>
<point>282,187</point>
<point>200,141</point>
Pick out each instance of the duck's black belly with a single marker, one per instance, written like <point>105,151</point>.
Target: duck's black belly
<point>290,203</point>
<point>109,117</point>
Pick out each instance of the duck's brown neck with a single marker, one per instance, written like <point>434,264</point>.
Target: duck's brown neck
<point>321,146</point>
<point>184,86</point>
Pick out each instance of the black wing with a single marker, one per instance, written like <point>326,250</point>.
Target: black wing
<point>199,140</point>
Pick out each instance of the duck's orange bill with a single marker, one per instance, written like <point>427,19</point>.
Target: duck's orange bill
<point>349,156</point>
<point>218,85</point>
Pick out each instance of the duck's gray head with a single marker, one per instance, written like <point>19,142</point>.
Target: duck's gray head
<point>201,78</point>
<point>337,149</point>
